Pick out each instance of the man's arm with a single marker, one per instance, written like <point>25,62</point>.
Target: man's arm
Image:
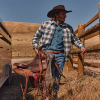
<point>36,50</point>
<point>36,37</point>
<point>83,49</point>
<point>78,43</point>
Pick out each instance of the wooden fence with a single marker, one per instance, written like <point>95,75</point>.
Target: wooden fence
<point>84,35</point>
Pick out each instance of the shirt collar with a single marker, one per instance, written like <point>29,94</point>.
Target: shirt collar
<point>53,22</point>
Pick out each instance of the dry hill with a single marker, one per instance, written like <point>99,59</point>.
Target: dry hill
<point>21,27</point>
<point>22,35</point>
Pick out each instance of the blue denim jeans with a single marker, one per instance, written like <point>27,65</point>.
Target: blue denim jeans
<point>60,58</point>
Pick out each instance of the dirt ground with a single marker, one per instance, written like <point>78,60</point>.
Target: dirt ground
<point>87,88</point>
<point>13,90</point>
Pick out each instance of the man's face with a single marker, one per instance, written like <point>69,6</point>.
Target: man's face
<point>61,16</point>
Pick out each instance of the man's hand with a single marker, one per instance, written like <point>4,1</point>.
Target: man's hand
<point>36,50</point>
<point>83,50</point>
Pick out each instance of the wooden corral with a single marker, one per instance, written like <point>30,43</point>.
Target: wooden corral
<point>84,35</point>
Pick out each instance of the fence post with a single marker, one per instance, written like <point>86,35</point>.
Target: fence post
<point>80,55</point>
<point>99,19</point>
<point>70,62</point>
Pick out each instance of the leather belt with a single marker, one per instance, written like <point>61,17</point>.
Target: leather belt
<point>50,51</point>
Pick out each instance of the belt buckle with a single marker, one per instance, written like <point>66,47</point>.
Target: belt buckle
<point>52,51</point>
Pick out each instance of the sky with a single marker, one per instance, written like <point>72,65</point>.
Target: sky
<point>35,11</point>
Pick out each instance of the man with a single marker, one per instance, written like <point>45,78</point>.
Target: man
<point>56,38</point>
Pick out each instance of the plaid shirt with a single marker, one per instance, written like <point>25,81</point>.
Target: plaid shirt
<point>46,32</point>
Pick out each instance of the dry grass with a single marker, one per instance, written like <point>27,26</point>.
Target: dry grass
<point>86,88</point>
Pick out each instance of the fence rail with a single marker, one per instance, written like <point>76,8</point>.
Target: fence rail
<point>91,30</point>
<point>96,65</point>
<point>94,48</point>
<point>84,35</point>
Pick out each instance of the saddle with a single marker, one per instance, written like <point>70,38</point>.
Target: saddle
<point>36,71</point>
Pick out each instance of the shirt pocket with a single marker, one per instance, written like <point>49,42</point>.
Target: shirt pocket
<point>46,37</point>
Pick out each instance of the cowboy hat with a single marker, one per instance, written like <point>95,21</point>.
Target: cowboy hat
<point>57,9</point>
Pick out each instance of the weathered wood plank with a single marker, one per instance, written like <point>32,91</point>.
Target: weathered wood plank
<point>3,33</point>
<point>99,19</point>
<point>76,31</point>
<point>96,65</point>
<point>80,55</point>
<point>90,30</point>
<point>91,35</point>
<point>89,22</point>
<point>94,48</point>
<point>5,29</point>
<point>99,11</point>
<point>92,20</point>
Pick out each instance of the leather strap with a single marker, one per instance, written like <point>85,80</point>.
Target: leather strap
<point>44,90</point>
<point>50,51</point>
<point>24,89</point>
<point>40,64</point>
<point>36,79</point>
<point>59,70</point>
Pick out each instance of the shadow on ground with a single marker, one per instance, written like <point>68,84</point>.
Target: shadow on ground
<point>13,90</point>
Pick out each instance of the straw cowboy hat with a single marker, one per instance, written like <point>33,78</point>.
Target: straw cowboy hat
<point>57,9</point>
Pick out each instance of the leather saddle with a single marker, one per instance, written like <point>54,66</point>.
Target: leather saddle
<point>34,65</point>
<point>36,70</point>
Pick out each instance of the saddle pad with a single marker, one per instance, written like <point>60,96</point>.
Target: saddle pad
<point>49,78</point>
<point>23,72</point>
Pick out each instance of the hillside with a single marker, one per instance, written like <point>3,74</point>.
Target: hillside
<point>22,35</point>
<point>21,27</point>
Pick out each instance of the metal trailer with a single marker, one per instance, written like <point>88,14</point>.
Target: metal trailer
<point>5,55</point>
